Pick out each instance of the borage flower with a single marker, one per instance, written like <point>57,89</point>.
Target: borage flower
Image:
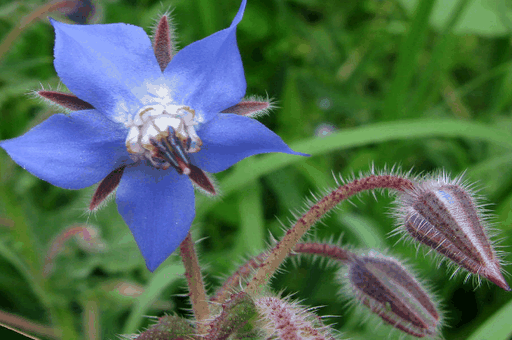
<point>147,122</point>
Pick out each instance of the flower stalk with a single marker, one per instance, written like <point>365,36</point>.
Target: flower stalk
<point>224,293</point>
<point>314,214</point>
<point>197,292</point>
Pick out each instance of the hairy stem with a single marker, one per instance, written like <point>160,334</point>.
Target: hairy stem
<point>195,283</point>
<point>224,293</point>
<point>325,249</point>
<point>303,224</point>
<point>321,249</point>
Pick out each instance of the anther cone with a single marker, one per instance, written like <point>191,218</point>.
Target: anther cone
<point>390,291</point>
<point>443,215</point>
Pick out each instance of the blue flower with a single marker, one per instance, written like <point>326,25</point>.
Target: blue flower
<point>146,122</point>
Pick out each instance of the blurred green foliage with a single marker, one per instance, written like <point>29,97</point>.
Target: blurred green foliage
<point>423,84</point>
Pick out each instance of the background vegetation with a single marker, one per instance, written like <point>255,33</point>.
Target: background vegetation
<point>425,84</point>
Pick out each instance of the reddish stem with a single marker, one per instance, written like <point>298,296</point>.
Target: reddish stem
<point>195,283</point>
<point>304,223</point>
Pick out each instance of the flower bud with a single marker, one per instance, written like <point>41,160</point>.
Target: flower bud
<point>168,327</point>
<point>282,319</point>
<point>235,318</point>
<point>443,215</point>
<point>390,291</point>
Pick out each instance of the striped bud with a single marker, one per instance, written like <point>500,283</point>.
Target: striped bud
<point>443,215</point>
<point>390,291</point>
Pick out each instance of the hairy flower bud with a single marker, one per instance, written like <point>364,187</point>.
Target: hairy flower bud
<point>443,215</point>
<point>283,319</point>
<point>390,291</point>
<point>235,317</point>
<point>168,327</point>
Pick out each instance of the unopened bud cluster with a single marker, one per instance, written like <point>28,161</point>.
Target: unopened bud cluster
<point>437,212</point>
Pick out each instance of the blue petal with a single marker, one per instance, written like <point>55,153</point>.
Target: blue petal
<point>229,138</point>
<point>158,206</point>
<point>108,66</point>
<point>208,74</point>
<point>71,151</point>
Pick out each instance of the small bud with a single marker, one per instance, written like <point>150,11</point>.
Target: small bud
<point>390,291</point>
<point>235,318</point>
<point>443,215</point>
<point>282,319</point>
<point>168,327</point>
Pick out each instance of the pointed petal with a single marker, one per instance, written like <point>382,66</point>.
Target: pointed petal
<point>229,138</point>
<point>105,65</point>
<point>158,206</point>
<point>71,151</point>
<point>163,44</point>
<point>208,74</point>
<point>248,108</point>
<point>67,100</point>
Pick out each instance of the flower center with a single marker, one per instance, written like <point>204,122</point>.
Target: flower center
<point>164,135</point>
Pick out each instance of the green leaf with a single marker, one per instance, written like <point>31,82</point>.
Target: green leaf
<point>497,327</point>
<point>161,279</point>
<point>483,17</point>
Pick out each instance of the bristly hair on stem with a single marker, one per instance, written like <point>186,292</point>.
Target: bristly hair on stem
<point>197,292</point>
<point>313,215</point>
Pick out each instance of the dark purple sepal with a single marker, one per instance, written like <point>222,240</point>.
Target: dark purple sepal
<point>162,44</point>
<point>67,100</point>
<point>198,177</point>
<point>107,185</point>
<point>247,108</point>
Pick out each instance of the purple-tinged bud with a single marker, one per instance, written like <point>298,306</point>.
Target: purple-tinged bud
<point>282,319</point>
<point>390,291</point>
<point>443,215</point>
